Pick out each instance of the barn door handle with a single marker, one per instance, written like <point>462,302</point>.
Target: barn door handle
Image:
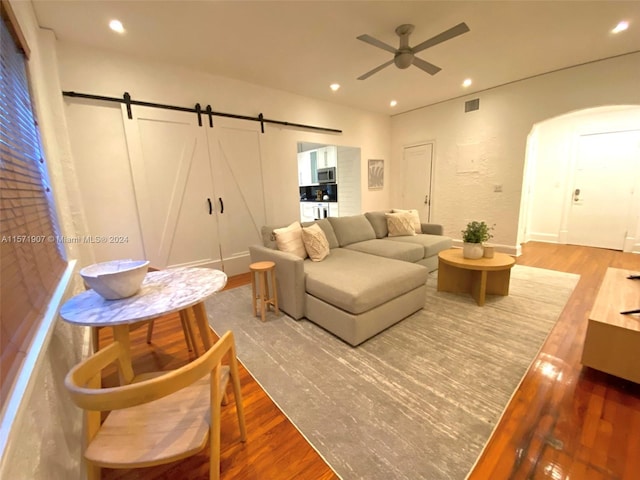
<point>221,204</point>
<point>210,206</point>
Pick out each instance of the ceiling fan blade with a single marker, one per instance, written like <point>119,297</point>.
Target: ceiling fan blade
<point>375,70</point>
<point>376,43</point>
<point>430,68</point>
<point>442,37</point>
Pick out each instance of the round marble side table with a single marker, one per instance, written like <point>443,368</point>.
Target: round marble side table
<point>161,293</point>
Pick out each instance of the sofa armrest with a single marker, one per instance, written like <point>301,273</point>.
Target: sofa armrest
<point>432,228</point>
<point>290,278</point>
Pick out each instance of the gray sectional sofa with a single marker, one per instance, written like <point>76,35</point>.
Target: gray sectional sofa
<point>368,282</point>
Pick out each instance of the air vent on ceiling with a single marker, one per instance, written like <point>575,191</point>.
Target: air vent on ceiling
<point>471,105</point>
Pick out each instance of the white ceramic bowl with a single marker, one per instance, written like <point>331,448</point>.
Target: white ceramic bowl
<point>115,279</point>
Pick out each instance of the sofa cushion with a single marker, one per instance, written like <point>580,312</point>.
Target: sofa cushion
<point>344,279</point>
<point>415,218</point>
<point>268,237</point>
<point>352,229</point>
<point>400,224</point>
<point>406,252</point>
<point>378,221</point>
<point>289,239</point>
<point>326,227</point>
<point>315,242</point>
<point>432,244</point>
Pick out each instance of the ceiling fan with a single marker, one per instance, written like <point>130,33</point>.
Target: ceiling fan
<point>404,56</point>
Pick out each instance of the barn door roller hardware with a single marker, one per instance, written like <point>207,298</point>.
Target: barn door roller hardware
<point>126,99</point>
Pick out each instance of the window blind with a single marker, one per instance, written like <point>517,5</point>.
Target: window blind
<point>31,260</point>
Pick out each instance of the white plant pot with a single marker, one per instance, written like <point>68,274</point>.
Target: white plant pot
<point>472,250</point>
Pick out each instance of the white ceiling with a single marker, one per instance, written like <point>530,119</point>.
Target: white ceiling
<point>303,46</point>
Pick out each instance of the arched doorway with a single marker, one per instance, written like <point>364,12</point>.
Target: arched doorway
<point>597,147</point>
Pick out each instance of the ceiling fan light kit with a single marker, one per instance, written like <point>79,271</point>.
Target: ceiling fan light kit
<point>404,55</point>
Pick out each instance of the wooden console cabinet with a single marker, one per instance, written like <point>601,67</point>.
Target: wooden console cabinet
<point>612,343</point>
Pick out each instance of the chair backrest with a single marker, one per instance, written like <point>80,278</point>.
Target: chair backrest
<point>82,381</point>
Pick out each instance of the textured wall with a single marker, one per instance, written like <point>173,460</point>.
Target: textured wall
<point>46,442</point>
<point>498,134</point>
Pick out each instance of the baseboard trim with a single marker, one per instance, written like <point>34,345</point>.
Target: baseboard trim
<point>515,250</point>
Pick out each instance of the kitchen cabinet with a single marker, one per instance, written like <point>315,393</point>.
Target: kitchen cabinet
<point>311,160</point>
<point>327,156</point>
<point>304,169</point>
<point>310,211</point>
<point>306,212</point>
<point>308,168</point>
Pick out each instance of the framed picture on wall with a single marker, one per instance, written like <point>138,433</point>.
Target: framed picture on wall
<point>376,174</point>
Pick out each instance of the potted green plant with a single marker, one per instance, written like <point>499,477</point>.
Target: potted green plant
<point>473,237</point>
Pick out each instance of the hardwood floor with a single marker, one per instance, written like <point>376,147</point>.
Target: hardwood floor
<point>274,449</point>
<point>564,421</point>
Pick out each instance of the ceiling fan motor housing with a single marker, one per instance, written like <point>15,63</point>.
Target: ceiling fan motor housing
<point>403,59</point>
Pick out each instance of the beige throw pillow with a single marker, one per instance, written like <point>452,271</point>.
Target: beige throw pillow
<point>415,218</point>
<point>400,224</point>
<point>289,239</point>
<point>315,242</point>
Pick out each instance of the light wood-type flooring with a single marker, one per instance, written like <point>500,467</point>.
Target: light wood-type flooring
<point>564,421</point>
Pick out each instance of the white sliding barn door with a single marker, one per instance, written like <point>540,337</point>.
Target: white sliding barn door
<point>234,147</point>
<point>173,182</point>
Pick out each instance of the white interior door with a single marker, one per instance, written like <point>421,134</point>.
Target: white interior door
<point>173,181</point>
<point>602,196</point>
<point>416,179</point>
<point>234,147</point>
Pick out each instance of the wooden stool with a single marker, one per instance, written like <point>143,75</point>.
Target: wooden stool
<point>261,269</point>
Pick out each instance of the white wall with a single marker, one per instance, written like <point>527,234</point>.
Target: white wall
<point>100,153</point>
<point>552,160</point>
<point>499,131</point>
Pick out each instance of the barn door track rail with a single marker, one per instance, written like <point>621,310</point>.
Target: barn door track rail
<point>208,111</point>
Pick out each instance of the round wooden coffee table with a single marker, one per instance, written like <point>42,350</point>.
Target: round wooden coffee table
<point>479,277</point>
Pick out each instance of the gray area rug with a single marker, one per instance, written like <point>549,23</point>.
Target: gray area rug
<point>419,400</point>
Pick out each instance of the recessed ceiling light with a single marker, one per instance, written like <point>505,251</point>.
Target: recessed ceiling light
<point>334,86</point>
<point>116,26</point>
<point>621,27</point>
<point>467,82</point>
<point>393,103</point>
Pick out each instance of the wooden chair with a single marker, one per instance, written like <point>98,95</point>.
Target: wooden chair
<point>160,417</point>
<point>185,321</point>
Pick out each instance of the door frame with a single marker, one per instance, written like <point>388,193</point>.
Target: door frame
<point>633,208</point>
<point>431,173</point>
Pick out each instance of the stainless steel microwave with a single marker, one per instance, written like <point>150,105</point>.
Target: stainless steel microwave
<point>327,175</point>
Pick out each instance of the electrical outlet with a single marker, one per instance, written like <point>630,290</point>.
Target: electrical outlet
<point>497,187</point>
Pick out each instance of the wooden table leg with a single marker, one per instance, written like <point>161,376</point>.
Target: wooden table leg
<point>203,324</point>
<point>498,282</point>
<point>453,279</point>
<point>186,316</point>
<point>125,370</point>
<point>479,286</point>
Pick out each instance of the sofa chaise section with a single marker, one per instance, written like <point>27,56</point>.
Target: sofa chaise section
<point>355,295</point>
